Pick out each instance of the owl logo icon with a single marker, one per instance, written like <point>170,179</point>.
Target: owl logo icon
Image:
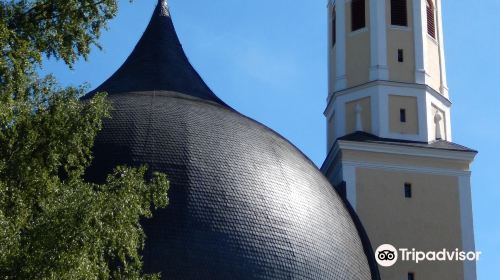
<point>386,255</point>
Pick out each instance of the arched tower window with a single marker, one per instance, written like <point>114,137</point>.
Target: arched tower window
<point>431,21</point>
<point>334,28</point>
<point>358,20</point>
<point>399,14</point>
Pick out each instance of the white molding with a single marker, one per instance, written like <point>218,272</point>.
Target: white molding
<point>419,22</point>
<point>340,120</point>
<point>400,27</point>
<point>377,109</point>
<point>405,168</point>
<point>431,101</point>
<point>432,91</point>
<point>406,150</point>
<point>330,48</point>
<point>379,72</point>
<point>330,157</point>
<point>329,110</point>
<point>379,92</point>
<point>449,134</point>
<point>331,137</point>
<point>441,98</point>
<point>349,176</point>
<point>335,176</point>
<point>340,81</point>
<point>340,55</point>
<point>379,69</point>
<point>402,136</point>
<point>432,39</point>
<point>466,224</point>
<point>423,127</point>
<point>383,117</point>
<point>332,95</point>
<point>330,116</point>
<point>442,62</point>
<point>338,106</point>
<point>358,31</point>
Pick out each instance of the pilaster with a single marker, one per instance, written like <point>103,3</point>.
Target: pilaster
<point>442,62</point>
<point>340,79</point>
<point>419,23</point>
<point>467,227</point>
<point>378,41</point>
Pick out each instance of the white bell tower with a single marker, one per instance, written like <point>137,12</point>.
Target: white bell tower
<point>390,148</point>
<point>392,62</point>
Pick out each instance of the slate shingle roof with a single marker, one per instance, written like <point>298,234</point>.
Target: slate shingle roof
<point>158,62</point>
<point>244,202</point>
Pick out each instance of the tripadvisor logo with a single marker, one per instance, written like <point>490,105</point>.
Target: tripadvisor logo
<point>387,255</point>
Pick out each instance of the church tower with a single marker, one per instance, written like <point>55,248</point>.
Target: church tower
<point>390,149</point>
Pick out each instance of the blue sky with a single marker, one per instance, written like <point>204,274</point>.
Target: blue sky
<point>267,59</point>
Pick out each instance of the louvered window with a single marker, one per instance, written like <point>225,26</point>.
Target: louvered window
<point>431,22</point>
<point>334,28</point>
<point>357,14</point>
<point>399,14</point>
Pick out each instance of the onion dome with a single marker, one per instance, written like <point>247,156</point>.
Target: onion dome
<point>244,202</point>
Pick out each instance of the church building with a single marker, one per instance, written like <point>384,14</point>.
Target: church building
<point>245,203</point>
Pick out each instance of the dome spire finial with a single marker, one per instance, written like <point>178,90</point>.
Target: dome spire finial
<point>164,8</point>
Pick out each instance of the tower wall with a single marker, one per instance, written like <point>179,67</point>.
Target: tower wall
<point>389,125</point>
<point>400,38</point>
<point>385,52</point>
<point>357,54</point>
<point>437,216</point>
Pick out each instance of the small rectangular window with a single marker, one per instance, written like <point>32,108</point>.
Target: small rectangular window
<point>411,276</point>
<point>408,193</point>
<point>399,14</point>
<point>402,115</point>
<point>400,55</point>
<point>357,14</point>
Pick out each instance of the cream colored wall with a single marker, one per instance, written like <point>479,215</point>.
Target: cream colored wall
<point>357,49</point>
<point>401,38</point>
<point>366,115</point>
<point>432,63</point>
<point>401,71</point>
<point>430,220</point>
<point>409,103</point>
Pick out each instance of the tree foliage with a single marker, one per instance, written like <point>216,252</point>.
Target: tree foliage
<point>53,224</point>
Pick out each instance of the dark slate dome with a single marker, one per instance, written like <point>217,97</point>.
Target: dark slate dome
<point>244,202</point>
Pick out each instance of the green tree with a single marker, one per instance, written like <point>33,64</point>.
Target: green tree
<point>53,224</point>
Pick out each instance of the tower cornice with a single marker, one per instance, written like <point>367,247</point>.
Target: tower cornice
<point>333,95</point>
